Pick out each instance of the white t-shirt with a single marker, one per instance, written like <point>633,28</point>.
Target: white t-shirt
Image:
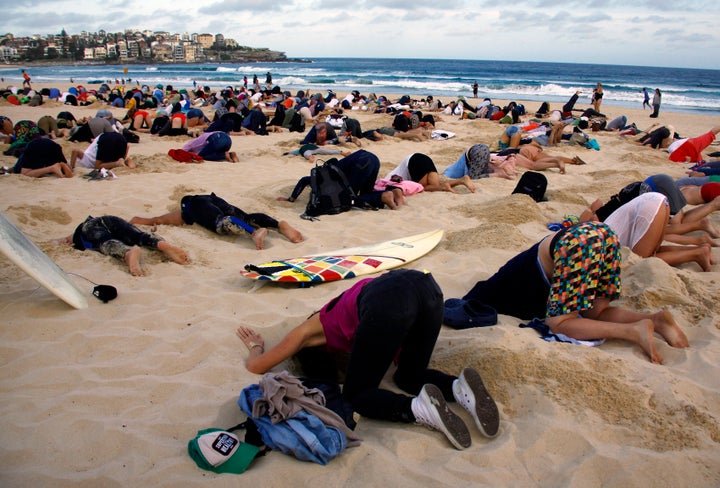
<point>632,221</point>
<point>90,155</point>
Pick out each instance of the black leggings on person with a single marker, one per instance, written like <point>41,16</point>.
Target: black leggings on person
<point>399,311</point>
<point>208,210</point>
<point>113,236</point>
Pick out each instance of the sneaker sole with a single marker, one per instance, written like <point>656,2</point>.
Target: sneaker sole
<point>480,404</point>
<point>452,426</point>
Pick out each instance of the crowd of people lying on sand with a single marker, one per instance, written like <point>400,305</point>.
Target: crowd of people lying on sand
<point>402,310</point>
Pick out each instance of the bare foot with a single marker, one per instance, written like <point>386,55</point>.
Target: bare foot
<point>561,165</point>
<point>258,236</point>
<point>250,338</point>
<point>129,163</point>
<point>234,157</point>
<point>399,196</point>
<point>132,259</point>
<point>388,199</point>
<point>643,336</point>
<point>709,227</point>
<point>704,257</point>
<point>292,234</point>
<point>311,158</point>
<point>446,186</point>
<point>66,170</point>
<point>665,325</point>
<point>57,170</point>
<point>173,252</point>
<point>467,181</point>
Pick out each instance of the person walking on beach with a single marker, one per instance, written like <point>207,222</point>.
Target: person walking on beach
<point>646,98</point>
<point>657,97</point>
<point>26,80</point>
<point>475,89</point>
<point>395,318</point>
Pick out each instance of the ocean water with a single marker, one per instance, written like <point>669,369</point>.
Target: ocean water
<point>684,90</point>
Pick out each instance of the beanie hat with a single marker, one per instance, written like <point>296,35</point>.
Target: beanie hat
<point>221,452</point>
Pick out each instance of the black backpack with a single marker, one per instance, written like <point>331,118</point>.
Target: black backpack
<point>533,184</point>
<point>330,192</point>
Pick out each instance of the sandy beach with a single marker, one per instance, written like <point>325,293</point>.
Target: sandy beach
<point>110,395</point>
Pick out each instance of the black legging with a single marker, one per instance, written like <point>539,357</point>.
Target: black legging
<point>401,310</point>
<point>112,236</point>
<point>207,210</point>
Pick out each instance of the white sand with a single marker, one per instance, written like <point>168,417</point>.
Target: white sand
<point>110,395</point>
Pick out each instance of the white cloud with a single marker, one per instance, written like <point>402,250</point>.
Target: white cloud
<point>647,32</point>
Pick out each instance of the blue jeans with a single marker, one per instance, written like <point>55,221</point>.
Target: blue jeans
<point>215,147</point>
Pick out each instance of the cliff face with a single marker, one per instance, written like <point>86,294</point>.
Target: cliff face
<point>243,55</point>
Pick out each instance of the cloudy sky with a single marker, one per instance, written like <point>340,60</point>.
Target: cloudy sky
<point>677,33</point>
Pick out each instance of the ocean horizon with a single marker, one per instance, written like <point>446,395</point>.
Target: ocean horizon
<point>683,89</point>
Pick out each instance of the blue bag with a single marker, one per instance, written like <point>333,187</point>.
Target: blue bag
<point>303,436</point>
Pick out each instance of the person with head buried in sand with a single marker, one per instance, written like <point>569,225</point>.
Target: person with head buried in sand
<point>393,319</point>
<point>569,280</point>
<point>113,236</point>
<point>217,215</point>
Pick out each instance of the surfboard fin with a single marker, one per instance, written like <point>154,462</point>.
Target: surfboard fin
<point>266,271</point>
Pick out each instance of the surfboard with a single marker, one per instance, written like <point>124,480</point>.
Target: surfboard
<point>346,263</point>
<point>31,259</point>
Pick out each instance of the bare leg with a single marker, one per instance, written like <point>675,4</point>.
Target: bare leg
<point>173,252</point>
<point>132,259</point>
<point>292,234</point>
<point>66,170</point>
<point>74,156</point>
<point>663,323</point>
<point>431,182</point>
<point>172,218</point>
<point>388,199</point>
<point>640,332</point>
<point>676,255</point>
<point>399,197</point>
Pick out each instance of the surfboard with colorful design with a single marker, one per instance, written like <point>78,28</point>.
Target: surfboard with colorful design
<point>346,263</point>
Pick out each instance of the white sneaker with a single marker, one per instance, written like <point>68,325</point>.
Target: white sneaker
<point>431,409</point>
<point>469,391</point>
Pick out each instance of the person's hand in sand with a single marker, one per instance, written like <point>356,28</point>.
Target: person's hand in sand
<point>368,324</point>
<point>252,340</point>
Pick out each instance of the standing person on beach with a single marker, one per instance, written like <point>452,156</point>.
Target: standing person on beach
<point>646,99</point>
<point>475,89</point>
<point>395,318</point>
<point>569,280</point>
<point>597,97</point>
<point>26,79</point>
<point>657,97</point>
